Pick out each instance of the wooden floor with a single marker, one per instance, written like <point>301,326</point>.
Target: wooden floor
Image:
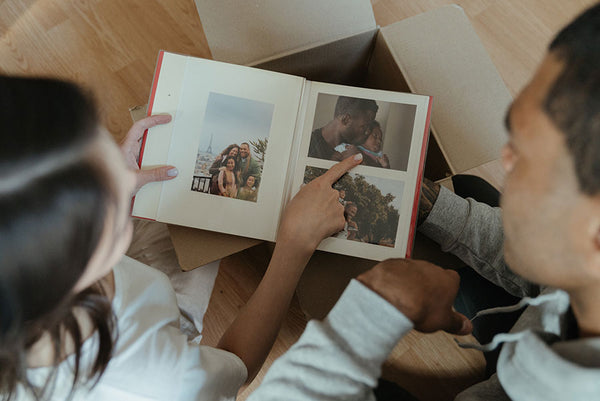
<point>110,47</point>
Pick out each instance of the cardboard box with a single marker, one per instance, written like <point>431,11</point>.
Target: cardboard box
<point>436,53</point>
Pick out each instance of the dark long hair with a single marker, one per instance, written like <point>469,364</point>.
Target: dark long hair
<point>53,205</point>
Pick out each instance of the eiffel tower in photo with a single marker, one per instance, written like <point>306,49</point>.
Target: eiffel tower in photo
<point>209,149</point>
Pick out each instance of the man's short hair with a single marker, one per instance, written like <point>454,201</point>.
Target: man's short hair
<point>573,101</point>
<point>354,106</point>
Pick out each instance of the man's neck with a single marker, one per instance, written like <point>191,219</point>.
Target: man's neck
<point>331,133</point>
<point>586,307</point>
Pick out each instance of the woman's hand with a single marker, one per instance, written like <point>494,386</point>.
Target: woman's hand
<point>131,151</point>
<point>315,212</point>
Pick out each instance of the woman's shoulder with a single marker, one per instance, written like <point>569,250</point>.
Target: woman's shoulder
<point>139,286</point>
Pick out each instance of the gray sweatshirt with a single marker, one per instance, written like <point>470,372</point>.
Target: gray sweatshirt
<point>340,358</point>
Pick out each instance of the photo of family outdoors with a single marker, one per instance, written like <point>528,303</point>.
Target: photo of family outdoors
<point>371,206</point>
<point>344,126</point>
<point>232,148</point>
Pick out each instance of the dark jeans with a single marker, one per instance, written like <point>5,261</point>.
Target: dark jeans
<point>476,293</point>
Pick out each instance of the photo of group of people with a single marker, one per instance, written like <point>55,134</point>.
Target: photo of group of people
<point>235,171</point>
<point>371,206</point>
<point>380,131</point>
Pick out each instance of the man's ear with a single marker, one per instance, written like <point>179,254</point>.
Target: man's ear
<point>346,119</point>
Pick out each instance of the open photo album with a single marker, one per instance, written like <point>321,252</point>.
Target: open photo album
<point>245,140</point>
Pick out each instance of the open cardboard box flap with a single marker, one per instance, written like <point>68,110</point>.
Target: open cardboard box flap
<point>251,32</point>
<point>436,53</point>
<point>439,54</point>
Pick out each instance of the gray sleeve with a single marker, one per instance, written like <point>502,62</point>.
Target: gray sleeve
<point>473,231</point>
<point>339,358</point>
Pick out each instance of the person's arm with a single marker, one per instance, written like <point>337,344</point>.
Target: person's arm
<point>472,231</point>
<point>214,168</point>
<point>312,215</point>
<point>340,358</point>
<point>220,182</point>
<point>234,188</point>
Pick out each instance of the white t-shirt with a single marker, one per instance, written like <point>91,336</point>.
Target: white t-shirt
<point>152,358</point>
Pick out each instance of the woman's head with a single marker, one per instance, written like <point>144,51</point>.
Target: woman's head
<point>231,150</point>
<point>230,163</point>
<point>250,181</point>
<point>234,151</point>
<point>63,214</point>
<point>375,139</point>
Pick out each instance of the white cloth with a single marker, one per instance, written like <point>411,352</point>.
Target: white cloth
<point>153,359</point>
<point>344,233</point>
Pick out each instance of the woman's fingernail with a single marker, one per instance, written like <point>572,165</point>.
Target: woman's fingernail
<point>358,156</point>
<point>172,172</point>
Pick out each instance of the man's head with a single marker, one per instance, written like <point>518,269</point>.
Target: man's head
<point>354,114</point>
<point>244,150</point>
<point>551,201</point>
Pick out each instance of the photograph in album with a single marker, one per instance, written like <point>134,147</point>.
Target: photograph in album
<point>233,144</point>
<point>371,206</point>
<point>381,131</point>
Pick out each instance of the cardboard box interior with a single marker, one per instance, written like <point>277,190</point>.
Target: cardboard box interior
<point>436,53</point>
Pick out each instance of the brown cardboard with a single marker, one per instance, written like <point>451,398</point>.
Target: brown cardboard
<point>318,63</point>
<point>440,55</point>
<point>198,247</point>
<point>436,53</point>
<point>250,32</point>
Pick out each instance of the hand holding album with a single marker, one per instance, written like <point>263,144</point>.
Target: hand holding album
<point>130,148</point>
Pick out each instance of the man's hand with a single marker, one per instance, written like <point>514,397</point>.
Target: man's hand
<point>423,292</point>
<point>350,150</point>
<point>131,151</point>
<point>315,212</point>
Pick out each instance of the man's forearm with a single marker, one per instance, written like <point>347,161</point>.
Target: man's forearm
<point>341,357</point>
<point>473,231</point>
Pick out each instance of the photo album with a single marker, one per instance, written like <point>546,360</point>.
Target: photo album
<point>245,141</point>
